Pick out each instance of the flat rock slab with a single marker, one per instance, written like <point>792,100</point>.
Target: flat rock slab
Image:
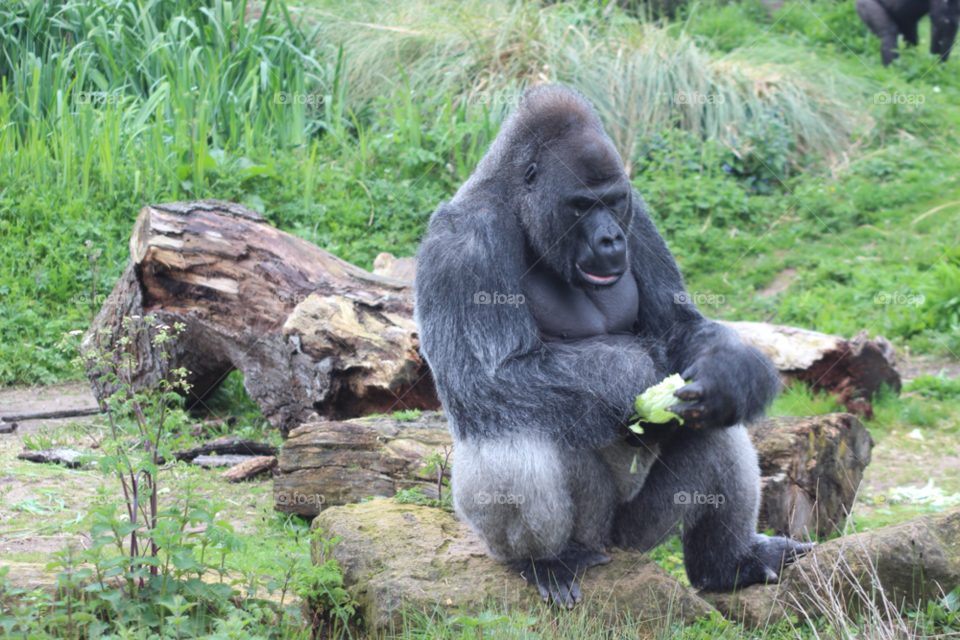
<point>400,557</point>
<point>909,563</point>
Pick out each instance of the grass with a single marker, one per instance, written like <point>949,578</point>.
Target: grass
<point>347,124</point>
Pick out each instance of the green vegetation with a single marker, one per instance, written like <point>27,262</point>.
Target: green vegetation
<point>793,176</point>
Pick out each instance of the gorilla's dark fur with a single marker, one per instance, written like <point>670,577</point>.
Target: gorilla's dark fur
<point>539,394</point>
<point>890,18</point>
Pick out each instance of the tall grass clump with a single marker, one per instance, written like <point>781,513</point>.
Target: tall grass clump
<point>642,77</point>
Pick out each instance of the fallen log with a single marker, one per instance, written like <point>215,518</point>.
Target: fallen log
<point>314,334</point>
<point>67,457</point>
<point>227,446</point>
<point>310,332</point>
<point>854,369</point>
<point>249,468</point>
<point>810,467</point>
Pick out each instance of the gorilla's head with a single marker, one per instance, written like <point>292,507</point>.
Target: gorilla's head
<point>574,196</point>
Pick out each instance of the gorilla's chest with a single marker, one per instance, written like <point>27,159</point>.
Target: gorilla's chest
<point>566,312</point>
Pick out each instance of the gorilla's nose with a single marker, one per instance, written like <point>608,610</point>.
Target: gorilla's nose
<point>609,246</point>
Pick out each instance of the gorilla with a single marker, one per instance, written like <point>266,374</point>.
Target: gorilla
<point>890,18</point>
<point>547,301</point>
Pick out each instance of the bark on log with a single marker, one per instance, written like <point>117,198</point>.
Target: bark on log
<point>310,332</point>
<point>811,467</point>
<point>227,446</point>
<point>249,469</point>
<point>854,369</point>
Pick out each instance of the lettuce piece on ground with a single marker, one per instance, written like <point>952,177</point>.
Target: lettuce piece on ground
<point>652,404</point>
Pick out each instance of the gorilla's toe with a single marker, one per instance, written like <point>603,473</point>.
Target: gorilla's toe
<point>556,576</point>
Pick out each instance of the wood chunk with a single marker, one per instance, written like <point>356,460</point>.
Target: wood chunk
<point>250,468</point>
<point>311,332</point>
<point>228,445</point>
<point>228,460</point>
<point>811,468</point>
<point>8,427</point>
<point>66,457</point>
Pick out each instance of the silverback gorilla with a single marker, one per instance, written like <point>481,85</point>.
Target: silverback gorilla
<point>539,391</point>
<point>890,18</point>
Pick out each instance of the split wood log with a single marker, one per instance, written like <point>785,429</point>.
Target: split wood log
<point>310,332</point>
<point>227,446</point>
<point>811,467</point>
<point>249,468</point>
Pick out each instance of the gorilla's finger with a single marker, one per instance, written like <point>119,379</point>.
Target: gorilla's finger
<point>691,392</point>
<point>689,373</point>
<point>771,575</point>
<point>566,600</point>
<point>689,410</point>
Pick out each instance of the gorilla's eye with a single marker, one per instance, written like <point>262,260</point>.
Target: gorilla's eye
<point>530,173</point>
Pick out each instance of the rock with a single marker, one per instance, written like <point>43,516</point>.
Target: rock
<point>331,463</point>
<point>67,457</point>
<point>811,466</point>
<point>250,468</point>
<point>228,460</point>
<point>400,557</point>
<point>907,564</point>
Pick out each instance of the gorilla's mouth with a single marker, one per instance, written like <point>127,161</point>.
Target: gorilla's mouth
<point>599,280</point>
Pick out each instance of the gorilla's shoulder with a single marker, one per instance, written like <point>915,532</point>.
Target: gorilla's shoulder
<point>472,230</point>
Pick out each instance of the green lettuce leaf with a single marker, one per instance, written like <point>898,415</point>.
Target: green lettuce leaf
<point>652,404</point>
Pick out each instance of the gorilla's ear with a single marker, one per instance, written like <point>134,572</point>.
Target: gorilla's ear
<point>530,173</point>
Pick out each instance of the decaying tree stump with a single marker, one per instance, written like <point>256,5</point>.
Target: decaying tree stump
<point>811,467</point>
<point>310,332</point>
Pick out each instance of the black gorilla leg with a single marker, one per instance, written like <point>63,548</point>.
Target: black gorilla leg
<point>883,25</point>
<point>544,510</point>
<point>709,481</point>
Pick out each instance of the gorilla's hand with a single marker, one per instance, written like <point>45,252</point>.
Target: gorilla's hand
<point>715,397</point>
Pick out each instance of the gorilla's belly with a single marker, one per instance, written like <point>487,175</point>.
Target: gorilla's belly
<point>564,312</point>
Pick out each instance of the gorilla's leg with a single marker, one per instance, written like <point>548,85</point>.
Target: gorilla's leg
<point>710,481</point>
<point>544,510</point>
<point>876,17</point>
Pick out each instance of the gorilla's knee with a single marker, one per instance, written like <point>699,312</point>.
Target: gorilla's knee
<point>514,493</point>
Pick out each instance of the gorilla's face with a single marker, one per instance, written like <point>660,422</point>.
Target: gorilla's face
<point>578,210</point>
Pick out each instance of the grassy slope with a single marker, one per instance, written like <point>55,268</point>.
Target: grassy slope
<point>850,235</point>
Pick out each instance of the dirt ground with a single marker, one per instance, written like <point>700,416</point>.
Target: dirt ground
<point>42,506</point>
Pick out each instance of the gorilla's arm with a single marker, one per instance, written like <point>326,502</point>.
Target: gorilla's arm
<point>733,382</point>
<point>493,373</point>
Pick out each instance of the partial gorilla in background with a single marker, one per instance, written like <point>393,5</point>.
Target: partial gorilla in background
<point>890,18</point>
<point>539,392</point>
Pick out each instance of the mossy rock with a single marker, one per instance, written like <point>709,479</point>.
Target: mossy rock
<point>400,557</point>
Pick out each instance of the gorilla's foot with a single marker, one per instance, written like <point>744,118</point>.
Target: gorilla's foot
<point>556,576</point>
<point>767,558</point>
